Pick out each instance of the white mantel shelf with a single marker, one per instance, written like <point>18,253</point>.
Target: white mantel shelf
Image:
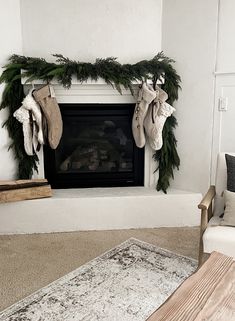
<point>90,91</point>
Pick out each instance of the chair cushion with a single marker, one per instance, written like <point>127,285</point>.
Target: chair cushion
<point>229,213</point>
<point>220,183</point>
<point>220,239</point>
<point>214,221</point>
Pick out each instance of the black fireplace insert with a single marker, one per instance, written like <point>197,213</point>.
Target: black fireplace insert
<point>96,149</point>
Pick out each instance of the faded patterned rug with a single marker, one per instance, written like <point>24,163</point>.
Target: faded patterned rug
<point>127,283</point>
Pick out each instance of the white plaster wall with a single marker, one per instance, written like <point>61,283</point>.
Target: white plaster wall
<point>11,42</point>
<point>87,29</point>
<point>226,43</point>
<point>189,36</point>
<point>223,137</point>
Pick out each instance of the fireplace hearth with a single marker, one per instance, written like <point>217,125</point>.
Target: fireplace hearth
<point>97,148</point>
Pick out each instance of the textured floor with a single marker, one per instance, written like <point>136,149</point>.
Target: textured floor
<point>29,262</point>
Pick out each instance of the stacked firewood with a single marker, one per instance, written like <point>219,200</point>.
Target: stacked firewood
<point>19,190</point>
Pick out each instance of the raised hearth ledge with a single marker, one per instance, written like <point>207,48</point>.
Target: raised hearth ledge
<point>101,209</point>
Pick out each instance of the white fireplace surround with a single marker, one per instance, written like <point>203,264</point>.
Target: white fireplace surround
<point>100,208</point>
<point>98,92</point>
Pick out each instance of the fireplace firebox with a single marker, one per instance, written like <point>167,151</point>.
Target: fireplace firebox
<point>96,149</point>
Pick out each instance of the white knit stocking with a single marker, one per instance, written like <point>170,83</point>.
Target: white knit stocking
<point>22,115</point>
<point>29,114</point>
<point>30,104</point>
<point>145,97</point>
<point>156,117</point>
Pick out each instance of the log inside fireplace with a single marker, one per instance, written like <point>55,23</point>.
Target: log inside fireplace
<point>97,148</point>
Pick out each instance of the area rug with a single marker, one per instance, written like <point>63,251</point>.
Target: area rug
<point>126,283</point>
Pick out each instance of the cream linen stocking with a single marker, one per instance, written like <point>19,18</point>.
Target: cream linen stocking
<point>52,114</point>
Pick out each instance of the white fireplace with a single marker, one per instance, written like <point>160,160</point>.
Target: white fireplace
<point>98,92</point>
<point>100,208</point>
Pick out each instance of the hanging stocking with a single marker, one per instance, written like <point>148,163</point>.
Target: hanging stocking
<point>51,110</point>
<point>32,106</point>
<point>145,97</point>
<point>23,116</point>
<point>156,117</point>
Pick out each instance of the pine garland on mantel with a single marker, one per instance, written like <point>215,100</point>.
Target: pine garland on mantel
<point>113,73</point>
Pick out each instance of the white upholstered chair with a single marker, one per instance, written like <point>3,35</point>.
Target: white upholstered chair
<point>214,237</point>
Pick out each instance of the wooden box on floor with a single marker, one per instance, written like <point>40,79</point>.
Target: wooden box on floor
<point>19,190</point>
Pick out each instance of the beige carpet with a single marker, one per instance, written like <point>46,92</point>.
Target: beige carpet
<point>29,262</point>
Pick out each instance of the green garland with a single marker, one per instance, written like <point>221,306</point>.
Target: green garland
<point>113,73</point>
